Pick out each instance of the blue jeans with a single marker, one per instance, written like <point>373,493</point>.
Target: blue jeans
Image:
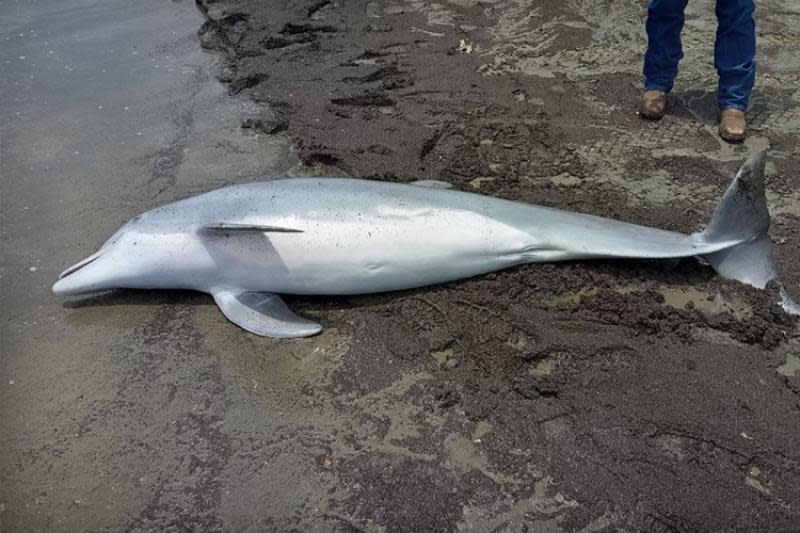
<point>734,49</point>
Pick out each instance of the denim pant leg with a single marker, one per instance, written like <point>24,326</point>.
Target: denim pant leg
<point>664,25</point>
<point>734,52</point>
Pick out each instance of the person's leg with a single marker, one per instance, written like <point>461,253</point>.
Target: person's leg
<point>664,25</point>
<point>734,53</point>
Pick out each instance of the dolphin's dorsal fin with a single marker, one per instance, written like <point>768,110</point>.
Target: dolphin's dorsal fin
<point>263,313</point>
<point>228,227</point>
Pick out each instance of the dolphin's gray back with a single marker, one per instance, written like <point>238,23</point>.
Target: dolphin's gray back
<point>309,203</point>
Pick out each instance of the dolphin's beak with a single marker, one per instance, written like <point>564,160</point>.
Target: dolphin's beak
<point>62,288</point>
<point>80,264</point>
<point>70,283</point>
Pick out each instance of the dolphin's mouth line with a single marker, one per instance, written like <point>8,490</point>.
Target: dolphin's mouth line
<point>79,265</point>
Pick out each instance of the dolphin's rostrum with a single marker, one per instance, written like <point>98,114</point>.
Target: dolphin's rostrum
<point>245,244</point>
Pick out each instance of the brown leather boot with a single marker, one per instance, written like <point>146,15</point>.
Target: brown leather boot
<point>732,125</point>
<point>653,105</point>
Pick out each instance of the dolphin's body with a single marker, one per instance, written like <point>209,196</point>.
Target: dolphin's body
<point>245,244</point>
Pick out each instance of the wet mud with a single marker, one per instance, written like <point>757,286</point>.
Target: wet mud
<point>599,396</point>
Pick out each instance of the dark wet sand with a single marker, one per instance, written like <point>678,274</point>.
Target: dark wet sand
<point>602,396</point>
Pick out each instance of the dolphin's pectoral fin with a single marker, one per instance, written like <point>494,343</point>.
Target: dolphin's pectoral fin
<point>227,227</point>
<point>432,184</point>
<point>263,313</point>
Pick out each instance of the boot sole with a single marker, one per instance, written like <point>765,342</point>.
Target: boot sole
<point>650,116</point>
<point>732,138</point>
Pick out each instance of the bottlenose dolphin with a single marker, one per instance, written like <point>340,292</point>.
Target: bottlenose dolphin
<point>245,244</point>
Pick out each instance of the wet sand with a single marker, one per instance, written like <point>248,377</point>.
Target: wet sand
<point>601,396</point>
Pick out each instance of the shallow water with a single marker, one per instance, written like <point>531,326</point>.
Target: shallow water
<point>107,108</point>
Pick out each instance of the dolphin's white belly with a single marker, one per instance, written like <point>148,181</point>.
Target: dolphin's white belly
<point>366,252</point>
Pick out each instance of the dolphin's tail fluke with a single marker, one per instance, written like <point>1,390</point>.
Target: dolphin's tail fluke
<point>751,262</point>
<point>742,217</point>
